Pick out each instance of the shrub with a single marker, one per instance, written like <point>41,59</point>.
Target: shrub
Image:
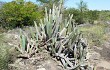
<point>19,14</point>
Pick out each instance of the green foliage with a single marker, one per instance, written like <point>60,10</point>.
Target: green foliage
<point>19,13</point>
<point>104,15</point>
<point>88,16</point>
<point>92,15</point>
<point>82,6</point>
<point>75,12</point>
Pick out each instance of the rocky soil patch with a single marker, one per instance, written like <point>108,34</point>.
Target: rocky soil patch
<point>99,57</point>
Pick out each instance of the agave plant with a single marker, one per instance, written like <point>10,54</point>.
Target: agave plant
<point>59,36</point>
<point>27,46</point>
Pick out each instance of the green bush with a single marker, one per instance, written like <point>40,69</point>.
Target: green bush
<point>19,13</point>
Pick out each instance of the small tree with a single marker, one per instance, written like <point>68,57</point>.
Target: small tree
<point>19,13</point>
<point>82,6</point>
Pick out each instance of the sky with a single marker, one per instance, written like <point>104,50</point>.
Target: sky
<point>92,4</point>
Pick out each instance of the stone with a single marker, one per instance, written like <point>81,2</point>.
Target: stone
<point>41,69</point>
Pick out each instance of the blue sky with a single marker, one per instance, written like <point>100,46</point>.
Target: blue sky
<point>92,4</point>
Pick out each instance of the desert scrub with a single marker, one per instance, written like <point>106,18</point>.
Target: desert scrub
<point>95,34</point>
<point>3,57</point>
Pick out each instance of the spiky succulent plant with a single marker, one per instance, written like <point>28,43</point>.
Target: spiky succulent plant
<point>59,36</point>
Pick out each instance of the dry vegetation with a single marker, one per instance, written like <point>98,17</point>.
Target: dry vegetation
<point>53,42</point>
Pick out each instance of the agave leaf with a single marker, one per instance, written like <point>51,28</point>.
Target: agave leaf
<point>64,63</point>
<point>37,31</point>
<point>52,45</point>
<point>36,36</point>
<point>32,46</point>
<point>19,49</point>
<point>49,30</point>
<point>74,67</point>
<point>23,40</point>
<point>67,24</point>
<point>55,30</point>
<point>63,32</point>
<point>43,31</point>
<point>46,15</point>
<point>42,26</point>
<point>75,51</point>
<point>60,18</point>
<point>60,48</point>
<point>50,16</point>
<point>53,12</point>
<point>32,33</point>
<point>70,28</point>
<point>28,46</point>
<point>65,41</point>
<point>67,61</point>
<point>81,52</point>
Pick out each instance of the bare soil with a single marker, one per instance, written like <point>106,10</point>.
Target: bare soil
<point>101,58</point>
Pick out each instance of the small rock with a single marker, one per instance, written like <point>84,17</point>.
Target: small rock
<point>41,69</point>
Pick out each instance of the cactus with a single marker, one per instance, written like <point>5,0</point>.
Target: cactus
<point>63,40</point>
